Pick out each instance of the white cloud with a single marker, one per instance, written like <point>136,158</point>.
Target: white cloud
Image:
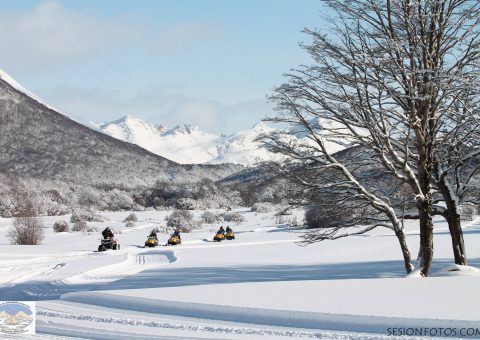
<point>51,34</point>
<point>156,105</point>
<point>52,37</point>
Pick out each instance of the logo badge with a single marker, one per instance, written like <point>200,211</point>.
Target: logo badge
<point>17,317</point>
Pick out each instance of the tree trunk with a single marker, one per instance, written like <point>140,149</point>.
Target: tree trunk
<point>455,227</point>
<point>407,257</point>
<point>426,237</point>
<point>454,223</point>
<point>456,234</point>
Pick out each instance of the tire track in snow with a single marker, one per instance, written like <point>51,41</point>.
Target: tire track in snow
<point>27,287</point>
<point>38,267</point>
<point>198,326</point>
<point>14,275</point>
<point>133,264</point>
<point>235,244</point>
<point>54,268</point>
<point>261,317</point>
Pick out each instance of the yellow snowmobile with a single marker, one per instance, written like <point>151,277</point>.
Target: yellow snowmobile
<point>151,242</point>
<point>219,237</point>
<point>230,235</point>
<point>174,240</point>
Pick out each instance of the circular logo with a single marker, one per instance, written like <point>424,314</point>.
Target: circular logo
<point>15,317</point>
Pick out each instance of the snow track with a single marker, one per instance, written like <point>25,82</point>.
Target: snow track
<point>233,243</point>
<point>55,317</point>
<point>258,316</point>
<point>132,264</point>
<point>51,281</point>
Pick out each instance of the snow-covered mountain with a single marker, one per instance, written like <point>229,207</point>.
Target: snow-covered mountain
<point>188,144</point>
<point>39,142</point>
<point>5,77</point>
<point>183,144</point>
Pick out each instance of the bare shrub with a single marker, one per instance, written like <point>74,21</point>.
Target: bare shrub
<point>232,217</point>
<point>80,225</point>
<point>119,200</point>
<point>289,221</point>
<point>181,220</point>
<point>26,231</point>
<point>283,210</point>
<point>61,227</point>
<point>131,218</point>
<point>129,224</point>
<point>209,218</point>
<point>185,203</point>
<point>262,207</point>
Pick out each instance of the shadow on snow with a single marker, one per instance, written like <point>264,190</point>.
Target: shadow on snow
<point>190,276</point>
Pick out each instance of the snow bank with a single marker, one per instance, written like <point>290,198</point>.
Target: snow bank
<point>270,317</point>
<point>457,270</point>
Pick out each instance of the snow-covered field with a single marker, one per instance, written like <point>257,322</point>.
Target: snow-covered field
<point>262,285</point>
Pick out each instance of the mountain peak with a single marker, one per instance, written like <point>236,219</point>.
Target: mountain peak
<point>184,129</point>
<point>125,120</point>
<point>261,127</point>
<point>188,144</point>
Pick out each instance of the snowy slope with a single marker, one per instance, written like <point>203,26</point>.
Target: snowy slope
<point>261,285</point>
<point>187,144</point>
<point>7,78</point>
<point>12,82</point>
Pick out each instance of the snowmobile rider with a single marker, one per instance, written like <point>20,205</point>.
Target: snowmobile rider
<point>221,230</point>
<point>107,233</point>
<point>176,233</point>
<point>153,234</point>
<point>229,230</point>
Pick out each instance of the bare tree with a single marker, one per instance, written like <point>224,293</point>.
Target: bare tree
<point>385,77</point>
<point>349,207</point>
<point>457,163</point>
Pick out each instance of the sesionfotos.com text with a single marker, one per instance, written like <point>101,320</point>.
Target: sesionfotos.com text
<point>425,331</point>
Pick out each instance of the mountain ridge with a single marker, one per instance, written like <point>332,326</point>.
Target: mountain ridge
<point>186,144</point>
<point>38,141</point>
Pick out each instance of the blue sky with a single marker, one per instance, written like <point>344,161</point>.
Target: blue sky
<point>209,63</point>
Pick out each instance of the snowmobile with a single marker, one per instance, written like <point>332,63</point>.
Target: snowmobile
<point>108,243</point>
<point>219,237</point>
<point>151,242</point>
<point>174,240</point>
<point>230,235</point>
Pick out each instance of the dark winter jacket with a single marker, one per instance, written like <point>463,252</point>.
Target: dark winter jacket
<point>107,233</point>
